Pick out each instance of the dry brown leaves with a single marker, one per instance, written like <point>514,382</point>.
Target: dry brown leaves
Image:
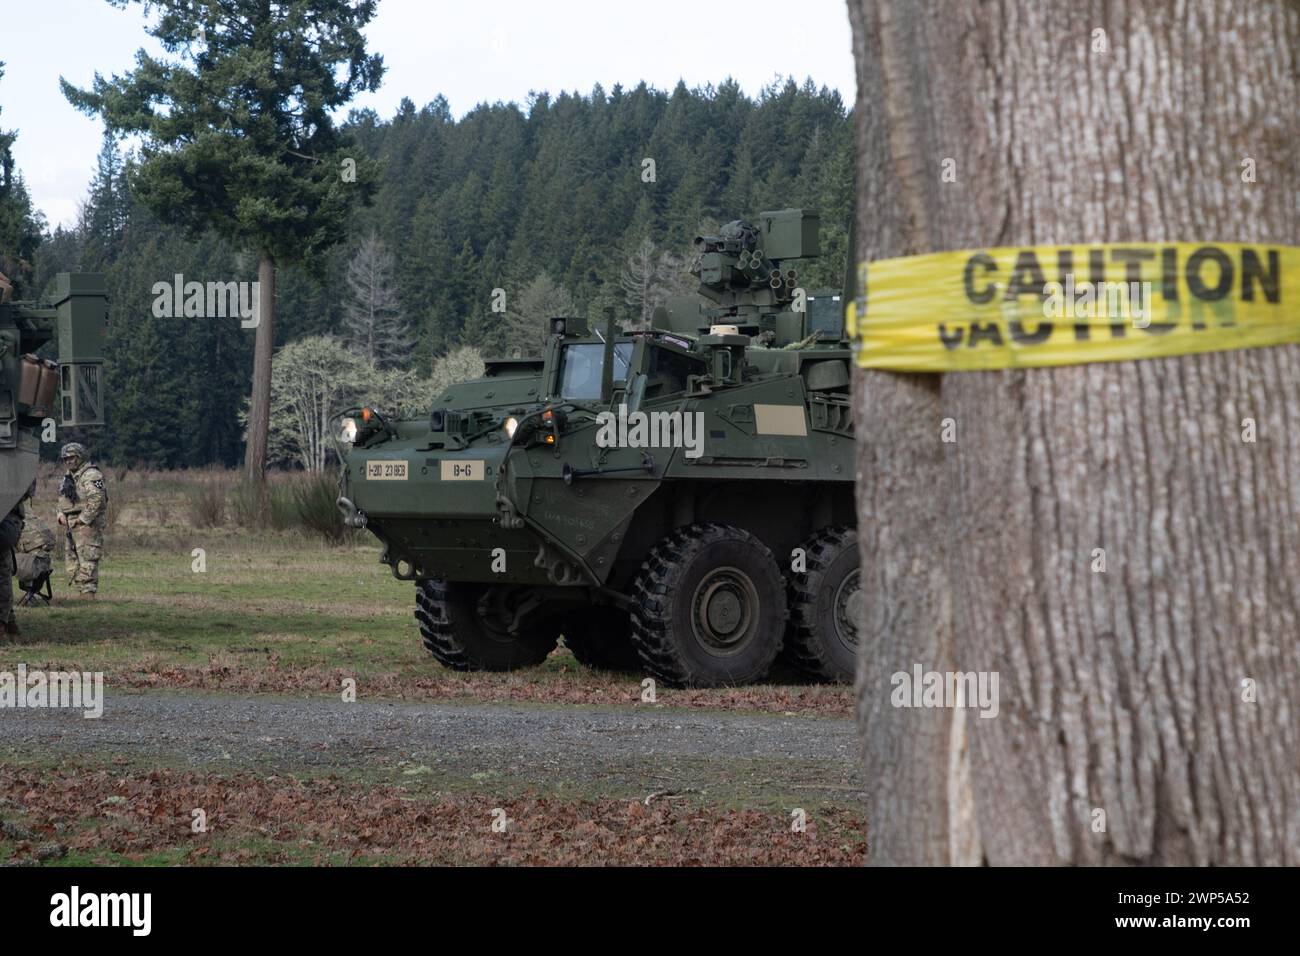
<point>112,816</point>
<point>563,687</point>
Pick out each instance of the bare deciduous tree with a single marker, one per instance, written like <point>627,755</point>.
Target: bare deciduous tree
<point>651,277</point>
<point>315,377</point>
<point>459,365</point>
<point>1120,692</point>
<point>375,328</point>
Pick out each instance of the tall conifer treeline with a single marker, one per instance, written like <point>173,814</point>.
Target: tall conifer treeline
<point>467,206</point>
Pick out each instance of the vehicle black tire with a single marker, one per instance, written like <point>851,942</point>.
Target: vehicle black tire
<point>601,637</point>
<point>709,607</point>
<point>826,607</point>
<point>465,636</point>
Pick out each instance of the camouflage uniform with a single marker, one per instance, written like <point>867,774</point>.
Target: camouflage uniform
<point>36,546</point>
<point>10,530</point>
<point>83,503</point>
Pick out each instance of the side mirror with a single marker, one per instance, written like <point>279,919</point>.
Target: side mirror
<point>635,391</point>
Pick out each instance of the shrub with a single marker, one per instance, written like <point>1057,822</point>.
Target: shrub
<point>207,502</point>
<point>248,503</point>
<point>315,497</point>
<point>114,509</point>
<point>281,511</point>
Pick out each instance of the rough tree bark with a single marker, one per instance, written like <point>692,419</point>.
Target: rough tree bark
<point>259,405</point>
<point>1120,691</point>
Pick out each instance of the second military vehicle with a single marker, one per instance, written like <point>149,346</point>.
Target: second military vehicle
<point>34,392</point>
<point>678,497</point>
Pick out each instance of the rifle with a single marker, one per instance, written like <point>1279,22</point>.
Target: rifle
<point>68,489</point>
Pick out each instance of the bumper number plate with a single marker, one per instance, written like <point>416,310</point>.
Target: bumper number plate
<point>385,471</point>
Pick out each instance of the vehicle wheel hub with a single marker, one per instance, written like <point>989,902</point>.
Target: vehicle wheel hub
<point>850,606</point>
<point>724,608</point>
<point>495,616</point>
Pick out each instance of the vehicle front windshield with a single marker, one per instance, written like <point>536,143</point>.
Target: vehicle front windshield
<point>580,370</point>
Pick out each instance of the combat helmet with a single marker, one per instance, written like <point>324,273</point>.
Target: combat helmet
<point>74,453</point>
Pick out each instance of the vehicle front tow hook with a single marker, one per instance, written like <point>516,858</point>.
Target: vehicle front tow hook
<point>353,517</point>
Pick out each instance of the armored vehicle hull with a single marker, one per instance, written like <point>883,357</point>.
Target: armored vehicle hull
<point>678,499</point>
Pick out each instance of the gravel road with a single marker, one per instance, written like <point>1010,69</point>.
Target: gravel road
<point>600,751</point>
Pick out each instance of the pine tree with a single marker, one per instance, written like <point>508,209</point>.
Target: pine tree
<point>176,384</point>
<point>107,207</point>
<point>423,262</point>
<point>20,224</point>
<point>238,136</point>
<point>543,298</point>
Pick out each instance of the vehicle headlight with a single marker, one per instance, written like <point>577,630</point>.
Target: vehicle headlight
<point>511,424</point>
<point>349,433</point>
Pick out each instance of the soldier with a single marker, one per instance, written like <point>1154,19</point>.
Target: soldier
<point>10,530</point>
<point>83,507</point>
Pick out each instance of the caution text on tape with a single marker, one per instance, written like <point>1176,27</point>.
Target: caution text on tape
<point>1023,307</point>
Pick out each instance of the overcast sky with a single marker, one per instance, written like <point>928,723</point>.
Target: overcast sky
<point>471,52</point>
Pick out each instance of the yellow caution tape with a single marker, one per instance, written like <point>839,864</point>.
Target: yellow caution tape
<point>1064,305</point>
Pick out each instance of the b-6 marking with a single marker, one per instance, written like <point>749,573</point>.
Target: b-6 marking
<point>452,470</point>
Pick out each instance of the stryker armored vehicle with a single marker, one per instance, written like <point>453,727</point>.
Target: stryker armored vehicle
<point>678,498</point>
<point>36,391</point>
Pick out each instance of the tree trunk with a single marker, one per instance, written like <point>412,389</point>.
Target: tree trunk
<point>259,407</point>
<point>1121,693</point>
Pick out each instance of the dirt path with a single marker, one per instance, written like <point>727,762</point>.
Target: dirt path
<point>749,759</point>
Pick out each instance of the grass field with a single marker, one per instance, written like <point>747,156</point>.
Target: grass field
<point>284,612</point>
